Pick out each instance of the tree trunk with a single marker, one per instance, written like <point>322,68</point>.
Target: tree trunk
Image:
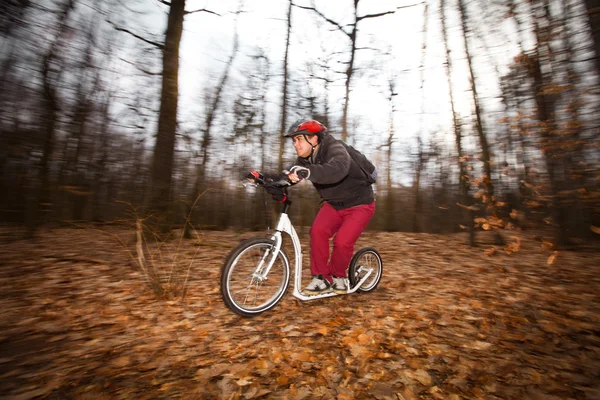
<point>12,15</point>
<point>418,205</point>
<point>74,203</point>
<point>41,195</point>
<point>488,199</point>
<point>576,174</point>
<point>349,72</point>
<point>162,163</point>
<point>390,223</point>
<point>545,107</point>
<point>200,187</point>
<point>284,90</point>
<point>98,206</point>
<point>352,35</point>
<point>521,153</point>
<point>593,9</point>
<point>417,187</point>
<point>462,168</point>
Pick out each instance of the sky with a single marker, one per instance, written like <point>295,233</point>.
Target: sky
<point>264,25</point>
<point>207,43</point>
<point>395,45</point>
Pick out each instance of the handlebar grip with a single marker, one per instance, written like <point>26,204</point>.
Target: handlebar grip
<point>303,173</point>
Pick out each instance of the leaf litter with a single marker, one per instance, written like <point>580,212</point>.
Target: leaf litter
<point>447,322</point>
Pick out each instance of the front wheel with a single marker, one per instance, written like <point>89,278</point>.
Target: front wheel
<point>248,287</point>
<point>364,260</point>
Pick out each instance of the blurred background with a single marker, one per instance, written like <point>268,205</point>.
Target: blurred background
<point>480,114</point>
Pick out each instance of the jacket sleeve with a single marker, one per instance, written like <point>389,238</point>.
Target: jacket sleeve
<point>334,168</point>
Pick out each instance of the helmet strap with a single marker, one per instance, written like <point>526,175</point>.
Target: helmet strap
<point>312,149</point>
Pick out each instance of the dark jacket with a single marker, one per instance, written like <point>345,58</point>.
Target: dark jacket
<point>337,178</point>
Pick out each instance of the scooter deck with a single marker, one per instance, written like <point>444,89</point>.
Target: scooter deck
<point>303,296</point>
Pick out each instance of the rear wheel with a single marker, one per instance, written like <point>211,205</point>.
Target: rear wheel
<point>245,287</point>
<point>367,259</point>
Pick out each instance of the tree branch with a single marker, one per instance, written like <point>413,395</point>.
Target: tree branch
<point>368,48</point>
<point>374,15</point>
<point>385,13</point>
<point>168,3</point>
<point>201,10</point>
<point>332,22</point>
<point>322,78</point>
<point>412,5</point>
<point>147,72</point>
<point>155,44</point>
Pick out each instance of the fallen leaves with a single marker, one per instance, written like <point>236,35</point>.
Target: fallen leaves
<point>448,322</point>
<point>304,356</point>
<point>421,376</point>
<point>323,330</point>
<point>477,345</point>
<point>121,362</point>
<point>552,258</point>
<point>514,246</point>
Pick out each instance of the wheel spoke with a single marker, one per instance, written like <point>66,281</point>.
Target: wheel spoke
<point>366,261</point>
<point>245,287</point>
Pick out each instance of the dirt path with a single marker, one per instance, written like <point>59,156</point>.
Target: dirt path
<point>448,322</point>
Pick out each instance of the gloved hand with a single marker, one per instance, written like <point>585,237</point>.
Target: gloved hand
<point>277,193</point>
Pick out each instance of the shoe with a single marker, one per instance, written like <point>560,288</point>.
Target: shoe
<point>339,285</point>
<point>318,285</point>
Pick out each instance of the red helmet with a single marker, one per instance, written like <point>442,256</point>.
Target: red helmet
<point>306,127</point>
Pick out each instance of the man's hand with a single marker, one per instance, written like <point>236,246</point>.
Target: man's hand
<point>298,173</point>
<point>293,177</point>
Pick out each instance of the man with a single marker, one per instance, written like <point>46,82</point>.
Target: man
<point>348,206</point>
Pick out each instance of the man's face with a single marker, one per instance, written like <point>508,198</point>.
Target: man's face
<point>303,148</point>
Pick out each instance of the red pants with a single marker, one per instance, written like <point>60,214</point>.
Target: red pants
<point>346,225</point>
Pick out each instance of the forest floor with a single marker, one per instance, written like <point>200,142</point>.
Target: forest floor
<point>78,321</point>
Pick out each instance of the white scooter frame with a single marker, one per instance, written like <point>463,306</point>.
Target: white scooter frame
<point>285,225</point>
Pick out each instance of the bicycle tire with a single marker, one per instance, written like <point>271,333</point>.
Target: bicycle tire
<point>248,295</point>
<point>367,257</point>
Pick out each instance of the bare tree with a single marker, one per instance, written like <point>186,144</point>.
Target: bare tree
<point>72,172</point>
<point>515,95</point>
<point>593,9</point>
<point>488,197</point>
<point>211,113</point>
<point>51,71</point>
<point>389,196</point>
<point>576,170</point>
<point>11,15</point>
<point>545,103</point>
<point>352,35</point>
<point>284,90</point>
<point>491,31</point>
<point>421,156</point>
<point>161,171</point>
<point>462,166</point>
<point>162,163</point>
